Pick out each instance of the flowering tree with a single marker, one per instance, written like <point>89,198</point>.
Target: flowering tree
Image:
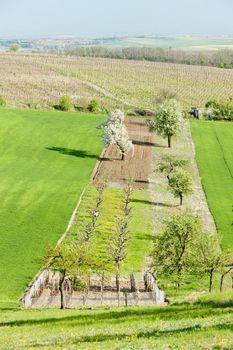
<point>168,120</point>
<point>115,133</point>
<point>115,117</point>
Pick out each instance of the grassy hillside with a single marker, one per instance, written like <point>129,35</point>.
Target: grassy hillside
<point>203,325</point>
<point>214,147</point>
<point>46,159</point>
<point>44,78</point>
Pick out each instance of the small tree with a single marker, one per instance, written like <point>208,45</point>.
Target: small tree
<point>180,184</point>
<point>173,246</point>
<point>89,226</point>
<point>208,257</point>
<point>168,164</point>
<point>72,260</point>
<point>93,106</point>
<point>14,47</point>
<point>168,120</point>
<point>119,240</point>
<point>65,103</point>
<point>61,259</point>
<point>116,134</point>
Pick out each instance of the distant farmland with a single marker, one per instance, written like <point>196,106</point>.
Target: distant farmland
<point>27,79</point>
<point>177,42</point>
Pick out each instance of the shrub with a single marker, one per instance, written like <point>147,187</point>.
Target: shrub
<point>65,103</point>
<point>93,106</point>
<point>220,110</point>
<point>2,101</point>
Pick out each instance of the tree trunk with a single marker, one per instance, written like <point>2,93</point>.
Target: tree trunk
<point>221,282</point>
<point>211,281</point>
<point>62,278</point>
<point>178,278</point>
<point>102,288</point>
<point>222,278</point>
<point>118,282</point>
<point>122,156</point>
<point>181,198</point>
<point>169,141</point>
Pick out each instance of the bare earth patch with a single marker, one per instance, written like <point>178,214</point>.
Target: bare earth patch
<point>137,164</point>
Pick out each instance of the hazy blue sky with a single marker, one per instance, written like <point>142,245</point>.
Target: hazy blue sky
<point>44,18</point>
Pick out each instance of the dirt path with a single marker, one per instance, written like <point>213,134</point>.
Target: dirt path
<point>163,202</point>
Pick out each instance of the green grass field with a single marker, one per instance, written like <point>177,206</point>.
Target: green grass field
<point>46,160</point>
<point>214,154</point>
<point>205,325</point>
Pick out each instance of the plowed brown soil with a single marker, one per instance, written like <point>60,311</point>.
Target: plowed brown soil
<point>137,164</point>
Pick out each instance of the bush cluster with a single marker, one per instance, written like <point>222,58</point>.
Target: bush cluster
<point>220,110</point>
<point>65,104</point>
<point>2,101</point>
<point>93,106</point>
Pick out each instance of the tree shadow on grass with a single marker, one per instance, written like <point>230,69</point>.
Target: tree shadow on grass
<point>98,338</point>
<point>128,315</point>
<point>144,201</point>
<point>73,152</point>
<point>155,333</point>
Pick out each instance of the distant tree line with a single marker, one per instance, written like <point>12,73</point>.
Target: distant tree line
<point>220,58</point>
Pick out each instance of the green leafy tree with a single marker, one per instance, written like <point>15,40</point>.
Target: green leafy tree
<point>61,259</point>
<point>65,103</point>
<point>168,164</point>
<point>173,246</point>
<point>73,260</point>
<point>180,184</point>
<point>14,47</point>
<point>208,257</point>
<point>168,120</point>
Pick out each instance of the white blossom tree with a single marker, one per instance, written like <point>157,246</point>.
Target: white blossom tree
<point>115,133</point>
<point>115,117</point>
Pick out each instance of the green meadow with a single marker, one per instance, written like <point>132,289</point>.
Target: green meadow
<point>203,325</point>
<point>214,154</point>
<point>46,160</point>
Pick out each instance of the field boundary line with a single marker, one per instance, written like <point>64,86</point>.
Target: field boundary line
<point>223,154</point>
<point>97,165</point>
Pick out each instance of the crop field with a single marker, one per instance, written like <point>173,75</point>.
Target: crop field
<point>46,160</point>
<point>177,42</point>
<point>33,78</point>
<point>203,325</point>
<point>214,154</point>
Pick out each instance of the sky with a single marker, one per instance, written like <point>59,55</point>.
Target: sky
<point>98,18</point>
